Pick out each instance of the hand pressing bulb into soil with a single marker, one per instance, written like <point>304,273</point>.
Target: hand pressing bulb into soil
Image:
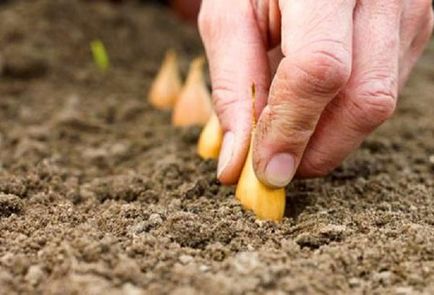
<point>327,74</point>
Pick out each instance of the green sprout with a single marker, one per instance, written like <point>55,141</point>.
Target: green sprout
<point>100,56</point>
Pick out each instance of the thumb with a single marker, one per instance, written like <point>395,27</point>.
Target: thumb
<point>237,58</point>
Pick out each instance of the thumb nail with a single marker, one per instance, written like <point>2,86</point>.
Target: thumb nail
<point>280,170</point>
<point>226,152</point>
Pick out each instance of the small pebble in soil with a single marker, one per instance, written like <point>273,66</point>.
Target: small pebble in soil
<point>34,275</point>
<point>246,262</point>
<point>203,268</point>
<point>404,291</point>
<point>130,289</point>
<point>185,259</point>
<point>383,277</point>
<point>155,219</point>
<point>323,236</point>
<point>354,282</point>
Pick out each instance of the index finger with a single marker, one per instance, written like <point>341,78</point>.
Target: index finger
<point>237,58</point>
<point>317,48</point>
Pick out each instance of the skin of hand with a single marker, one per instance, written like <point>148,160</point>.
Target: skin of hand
<point>327,73</point>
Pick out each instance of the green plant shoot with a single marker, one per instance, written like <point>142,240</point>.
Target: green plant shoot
<point>100,56</point>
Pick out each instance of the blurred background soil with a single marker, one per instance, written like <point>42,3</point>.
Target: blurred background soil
<point>99,194</point>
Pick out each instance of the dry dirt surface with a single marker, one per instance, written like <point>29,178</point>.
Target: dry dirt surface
<point>100,195</point>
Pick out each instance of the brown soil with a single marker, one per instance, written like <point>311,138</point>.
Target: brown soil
<point>99,194</point>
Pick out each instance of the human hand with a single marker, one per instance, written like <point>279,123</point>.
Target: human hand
<point>327,73</point>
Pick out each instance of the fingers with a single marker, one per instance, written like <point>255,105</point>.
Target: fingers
<point>416,30</point>
<point>317,45</point>
<point>237,57</point>
<point>369,98</point>
<point>275,56</point>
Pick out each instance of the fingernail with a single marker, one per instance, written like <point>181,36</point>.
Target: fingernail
<point>280,170</point>
<point>226,152</point>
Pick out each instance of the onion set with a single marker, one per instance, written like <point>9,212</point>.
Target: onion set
<point>210,139</point>
<point>167,85</point>
<point>193,106</point>
<point>267,203</point>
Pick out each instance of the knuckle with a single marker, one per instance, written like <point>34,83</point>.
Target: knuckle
<point>378,105</point>
<point>372,105</point>
<point>322,71</point>
<point>226,100</point>
<point>286,128</point>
